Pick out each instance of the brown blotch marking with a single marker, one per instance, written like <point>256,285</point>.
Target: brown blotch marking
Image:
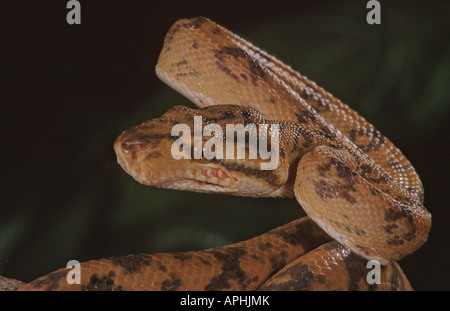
<point>181,63</point>
<point>266,175</point>
<point>383,179</point>
<point>327,133</point>
<point>133,263</point>
<point>236,52</point>
<point>366,170</point>
<point>264,246</point>
<point>315,99</point>
<point>362,249</point>
<point>300,278</point>
<point>103,283</point>
<point>323,103</point>
<point>181,256</point>
<point>271,100</point>
<point>305,116</point>
<point>396,279</point>
<point>162,267</point>
<point>356,158</point>
<point>307,139</point>
<point>406,199</point>
<point>194,23</point>
<point>256,69</point>
<point>281,126</point>
<point>189,73</point>
<point>228,115</point>
<point>225,69</point>
<point>395,241</point>
<point>343,171</point>
<point>356,271</point>
<point>231,269</point>
<point>171,33</point>
<point>326,190</point>
<point>392,215</point>
<point>224,115</point>
<point>375,191</point>
<point>375,142</point>
<point>282,153</point>
<point>256,257</point>
<point>350,228</point>
<point>411,234</point>
<point>278,262</point>
<point>389,228</point>
<point>247,116</point>
<point>51,280</point>
<point>301,235</point>
<point>197,22</point>
<point>172,283</point>
<point>205,262</point>
<point>324,168</point>
<point>194,44</point>
<point>221,63</point>
<point>306,93</point>
<point>216,31</point>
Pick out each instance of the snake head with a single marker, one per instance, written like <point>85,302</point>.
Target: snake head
<point>188,149</point>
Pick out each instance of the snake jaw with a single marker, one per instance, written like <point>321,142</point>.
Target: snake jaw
<point>134,159</point>
<point>211,175</point>
<point>199,180</point>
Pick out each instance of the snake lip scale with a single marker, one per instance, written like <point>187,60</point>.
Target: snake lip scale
<point>206,175</point>
<point>362,196</point>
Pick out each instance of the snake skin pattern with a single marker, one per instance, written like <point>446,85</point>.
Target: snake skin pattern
<point>362,196</point>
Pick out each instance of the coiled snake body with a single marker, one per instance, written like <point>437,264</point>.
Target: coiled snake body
<point>355,185</point>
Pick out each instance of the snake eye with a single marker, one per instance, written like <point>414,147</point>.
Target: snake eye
<point>132,146</point>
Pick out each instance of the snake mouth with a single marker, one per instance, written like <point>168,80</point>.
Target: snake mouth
<point>210,175</point>
<point>192,178</point>
<point>195,178</point>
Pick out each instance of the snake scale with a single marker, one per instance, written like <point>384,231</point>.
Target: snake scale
<point>362,196</point>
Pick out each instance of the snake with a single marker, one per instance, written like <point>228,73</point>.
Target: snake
<point>362,197</point>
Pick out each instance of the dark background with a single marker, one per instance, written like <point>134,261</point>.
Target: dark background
<point>69,90</point>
